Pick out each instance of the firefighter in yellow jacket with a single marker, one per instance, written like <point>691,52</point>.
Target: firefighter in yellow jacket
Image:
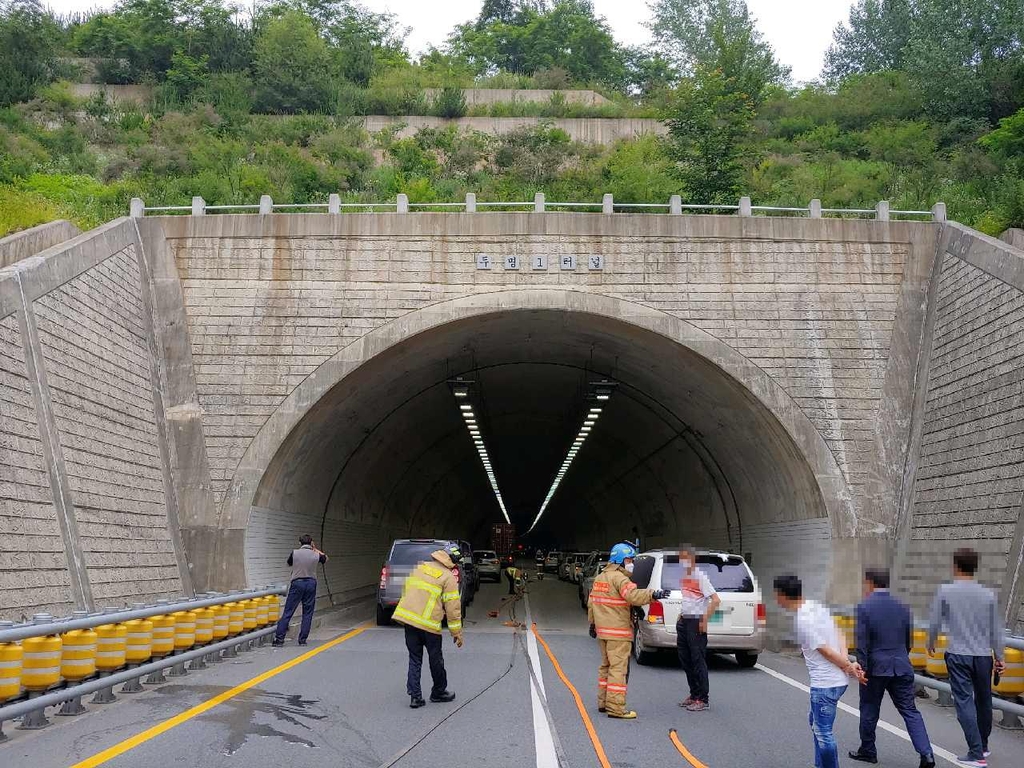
<point>431,593</point>
<point>610,622</point>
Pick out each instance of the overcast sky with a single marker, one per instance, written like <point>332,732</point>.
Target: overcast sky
<point>799,30</point>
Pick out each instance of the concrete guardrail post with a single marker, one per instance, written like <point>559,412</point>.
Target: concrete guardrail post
<point>814,209</point>
<point>334,203</point>
<point>538,202</point>
<point>137,208</point>
<point>402,204</point>
<point>746,207</point>
<point>470,202</point>
<point>939,213</point>
<point>608,204</point>
<point>36,719</point>
<point>266,204</point>
<point>675,205</point>
<point>198,206</point>
<point>882,210</point>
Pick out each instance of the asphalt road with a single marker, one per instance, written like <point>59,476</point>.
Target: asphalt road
<point>346,706</point>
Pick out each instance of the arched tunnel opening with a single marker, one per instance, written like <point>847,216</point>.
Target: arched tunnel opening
<point>682,451</point>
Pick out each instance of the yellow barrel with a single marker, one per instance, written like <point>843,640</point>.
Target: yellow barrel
<point>262,612</point>
<point>846,624</point>
<point>919,650</point>
<point>163,635</point>
<point>248,615</point>
<point>41,662</point>
<point>275,607</point>
<point>184,630</point>
<point>221,617</point>
<point>140,641</point>
<point>10,670</point>
<point>236,618</point>
<point>204,625</point>
<point>936,665</point>
<point>111,647</point>
<point>78,655</point>
<point>1011,684</point>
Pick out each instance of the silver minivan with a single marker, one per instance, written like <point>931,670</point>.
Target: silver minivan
<point>738,626</point>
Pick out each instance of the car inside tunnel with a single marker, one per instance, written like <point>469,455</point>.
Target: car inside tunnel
<point>681,451</point>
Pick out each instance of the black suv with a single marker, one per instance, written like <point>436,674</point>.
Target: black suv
<point>403,557</point>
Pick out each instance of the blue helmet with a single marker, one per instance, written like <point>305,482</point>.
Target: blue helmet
<point>621,553</point>
<point>454,552</point>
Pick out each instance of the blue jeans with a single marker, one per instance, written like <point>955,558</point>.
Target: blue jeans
<point>970,677</point>
<point>301,591</point>
<point>824,703</point>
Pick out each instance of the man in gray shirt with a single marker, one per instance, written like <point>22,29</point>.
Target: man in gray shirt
<point>970,614</point>
<point>304,562</point>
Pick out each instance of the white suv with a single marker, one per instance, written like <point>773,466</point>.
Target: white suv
<point>738,626</point>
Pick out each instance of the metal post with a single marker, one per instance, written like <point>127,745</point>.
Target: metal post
<point>136,208</point>
<point>36,719</point>
<point>675,204</point>
<point>106,696</point>
<point>1011,722</point>
<point>882,210</point>
<point>471,202</point>
<point>538,202</point>
<point>266,204</point>
<point>608,204</point>
<point>939,213</point>
<point>402,203</point>
<point>72,707</point>
<point>814,208</point>
<point>178,670</point>
<point>199,663</point>
<point>746,207</point>
<point>198,206</point>
<point>231,652</point>
<point>945,698</point>
<point>334,203</point>
<point>132,686</point>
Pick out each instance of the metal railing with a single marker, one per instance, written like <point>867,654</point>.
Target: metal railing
<point>540,204</point>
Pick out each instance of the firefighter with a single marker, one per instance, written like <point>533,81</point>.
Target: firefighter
<point>609,606</point>
<point>431,593</point>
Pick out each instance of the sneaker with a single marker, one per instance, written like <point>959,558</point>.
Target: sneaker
<point>631,715</point>
<point>686,702</point>
<point>862,758</point>
<point>927,761</point>
<point>416,702</point>
<point>278,644</point>
<point>698,706</point>
<point>971,762</point>
<point>986,751</point>
<point>602,710</point>
<point>303,642</point>
<point>442,698</point>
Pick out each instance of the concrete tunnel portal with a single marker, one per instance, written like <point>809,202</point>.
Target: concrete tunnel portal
<point>683,450</point>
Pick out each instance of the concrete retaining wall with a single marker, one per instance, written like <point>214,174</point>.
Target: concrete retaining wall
<point>21,245</point>
<point>476,97</point>
<point>589,130</point>
<point>140,94</point>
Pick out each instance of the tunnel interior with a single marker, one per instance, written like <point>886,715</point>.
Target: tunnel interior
<point>681,451</point>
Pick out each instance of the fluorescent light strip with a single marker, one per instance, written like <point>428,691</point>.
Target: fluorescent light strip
<point>588,424</point>
<point>478,443</point>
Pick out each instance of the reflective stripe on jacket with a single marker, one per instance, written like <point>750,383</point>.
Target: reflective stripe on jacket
<point>430,594</point>
<point>610,600</point>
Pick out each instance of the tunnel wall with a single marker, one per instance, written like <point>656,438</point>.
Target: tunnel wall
<point>968,480</point>
<point>84,511</point>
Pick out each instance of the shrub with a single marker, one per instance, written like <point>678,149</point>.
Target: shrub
<point>20,210</point>
<point>450,102</point>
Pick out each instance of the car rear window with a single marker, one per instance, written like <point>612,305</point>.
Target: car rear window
<point>485,554</point>
<point>413,552</point>
<point>726,574</point>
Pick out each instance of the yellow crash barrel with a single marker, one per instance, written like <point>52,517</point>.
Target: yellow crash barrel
<point>919,650</point>
<point>111,647</point>
<point>140,641</point>
<point>846,625</point>
<point>248,615</point>
<point>936,665</point>
<point>41,662</point>
<point>78,656</point>
<point>1012,682</point>
<point>262,612</point>
<point>221,617</point>
<point>10,670</point>
<point>204,625</point>
<point>236,618</point>
<point>184,630</point>
<point>163,635</point>
<point>275,608</point>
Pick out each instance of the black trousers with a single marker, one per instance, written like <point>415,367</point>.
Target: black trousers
<point>970,677</point>
<point>692,646</point>
<point>416,640</point>
<point>901,690</point>
<point>511,583</point>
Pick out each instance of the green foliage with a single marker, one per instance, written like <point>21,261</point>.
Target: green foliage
<point>186,77</point>
<point>28,50</point>
<point>292,70</point>
<point>450,102</point>
<point>22,210</point>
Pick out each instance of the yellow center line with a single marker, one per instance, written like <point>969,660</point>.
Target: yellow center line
<point>684,751</point>
<point>131,743</point>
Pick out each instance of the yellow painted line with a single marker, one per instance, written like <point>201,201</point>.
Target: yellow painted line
<point>684,751</point>
<point>131,743</point>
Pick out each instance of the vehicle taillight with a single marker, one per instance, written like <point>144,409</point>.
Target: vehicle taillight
<point>656,615</point>
<point>762,615</point>
<point>384,577</point>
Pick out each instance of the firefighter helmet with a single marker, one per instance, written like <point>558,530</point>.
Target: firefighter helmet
<point>622,552</point>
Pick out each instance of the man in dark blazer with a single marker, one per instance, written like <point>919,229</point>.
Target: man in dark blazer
<point>884,635</point>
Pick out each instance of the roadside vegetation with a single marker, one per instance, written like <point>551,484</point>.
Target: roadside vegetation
<point>919,101</point>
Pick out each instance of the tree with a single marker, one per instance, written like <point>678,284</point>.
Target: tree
<point>292,67</point>
<point>186,76</point>
<point>873,40</point>
<point>709,126</point>
<point>717,35</point>
<point>28,49</point>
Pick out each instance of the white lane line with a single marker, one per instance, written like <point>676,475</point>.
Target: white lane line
<point>937,751</point>
<point>542,739</point>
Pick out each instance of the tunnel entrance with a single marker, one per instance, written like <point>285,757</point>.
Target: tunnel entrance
<point>695,444</point>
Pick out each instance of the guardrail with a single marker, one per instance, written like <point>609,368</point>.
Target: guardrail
<point>539,204</point>
<point>47,662</point>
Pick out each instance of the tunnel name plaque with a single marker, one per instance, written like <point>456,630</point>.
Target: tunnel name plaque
<point>537,263</point>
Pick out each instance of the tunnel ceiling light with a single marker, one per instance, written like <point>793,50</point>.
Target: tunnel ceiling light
<point>601,391</point>
<point>461,390</point>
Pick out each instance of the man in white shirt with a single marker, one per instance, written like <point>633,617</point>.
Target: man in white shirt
<point>828,665</point>
<point>700,601</point>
